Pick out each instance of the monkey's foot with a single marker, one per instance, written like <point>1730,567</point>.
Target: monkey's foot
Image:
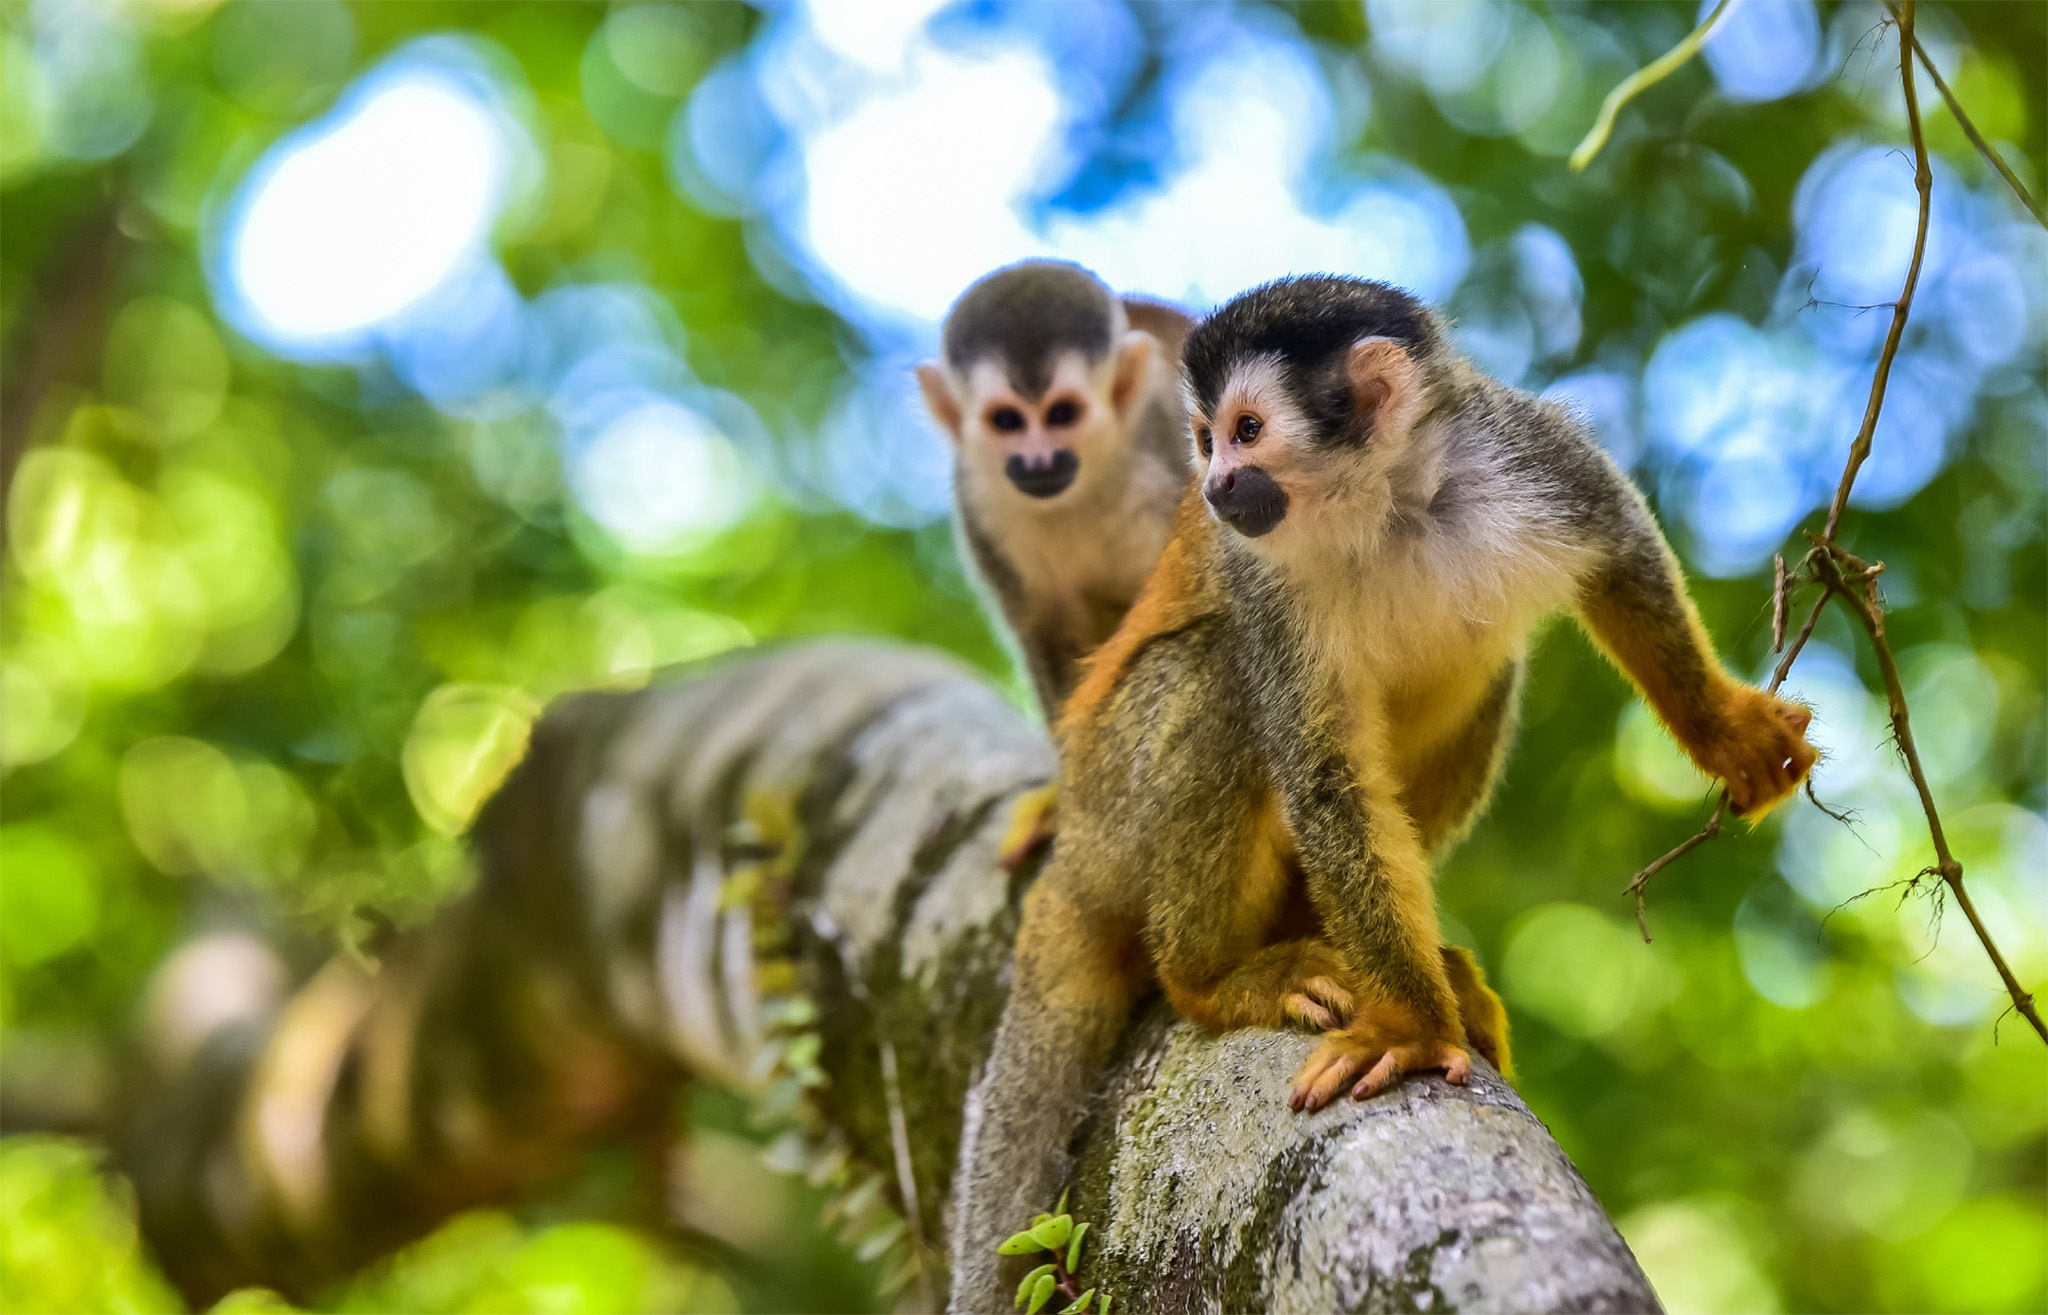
<point>1032,825</point>
<point>1484,1016</point>
<point>1344,1056</point>
<point>1761,754</point>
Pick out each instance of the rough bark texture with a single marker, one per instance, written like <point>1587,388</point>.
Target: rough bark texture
<point>664,884</point>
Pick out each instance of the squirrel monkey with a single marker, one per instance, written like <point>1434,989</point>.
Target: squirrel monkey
<point>1028,388</point>
<point>1070,453</point>
<point>1316,688</point>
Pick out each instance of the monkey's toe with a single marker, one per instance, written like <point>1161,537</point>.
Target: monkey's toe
<point>1376,1079</point>
<point>1491,1047</point>
<point>1335,1062</point>
<point>1456,1064</point>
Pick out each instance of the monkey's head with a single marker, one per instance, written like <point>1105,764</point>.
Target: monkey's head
<point>1303,395</point>
<point>1038,383</point>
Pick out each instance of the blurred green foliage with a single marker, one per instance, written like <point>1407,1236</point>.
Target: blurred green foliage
<point>67,1239</point>
<point>269,632</point>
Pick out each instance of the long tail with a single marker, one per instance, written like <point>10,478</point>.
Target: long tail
<point>1068,1005</point>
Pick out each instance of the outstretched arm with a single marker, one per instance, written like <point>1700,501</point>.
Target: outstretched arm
<point>1634,603</point>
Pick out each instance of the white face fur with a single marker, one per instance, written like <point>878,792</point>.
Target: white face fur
<point>1340,499</point>
<point>1083,411</point>
<point>1365,531</point>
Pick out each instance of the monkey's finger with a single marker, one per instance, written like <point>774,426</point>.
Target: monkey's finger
<point>1457,1066</point>
<point>1302,1009</point>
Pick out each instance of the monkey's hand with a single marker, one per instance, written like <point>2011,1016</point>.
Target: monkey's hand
<point>1033,821</point>
<point>1290,984</point>
<point>1761,753</point>
<point>1318,1002</point>
<point>1383,1041</point>
<point>1311,989</point>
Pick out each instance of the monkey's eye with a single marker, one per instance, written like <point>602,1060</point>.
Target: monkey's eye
<point>1247,430</point>
<point>1007,418</point>
<point>1202,440</point>
<point>1061,414</point>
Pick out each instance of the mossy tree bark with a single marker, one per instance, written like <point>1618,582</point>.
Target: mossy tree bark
<point>781,874</point>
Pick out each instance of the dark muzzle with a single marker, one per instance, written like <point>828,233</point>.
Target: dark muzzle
<point>1247,499</point>
<point>1043,479</point>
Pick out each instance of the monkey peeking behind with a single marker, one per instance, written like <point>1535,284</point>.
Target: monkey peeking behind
<point>1062,402</point>
<point>1313,692</point>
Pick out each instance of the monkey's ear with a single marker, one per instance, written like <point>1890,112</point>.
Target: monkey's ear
<point>1386,386</point>
<point>939,399</point>
<point>1133,363</point>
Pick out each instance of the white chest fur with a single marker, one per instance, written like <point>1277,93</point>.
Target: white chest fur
<point>1080,556</point>
<point>1412,627</point>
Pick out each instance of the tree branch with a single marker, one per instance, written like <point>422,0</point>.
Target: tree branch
<point>785,876</point>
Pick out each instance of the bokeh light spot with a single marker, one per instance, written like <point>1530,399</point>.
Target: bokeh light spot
<point>359,216</point>
<point>1762,49</point>
<point>464,741</point>
<point>49,901</point>
<point>660,474</point>
<point>1580,970</point>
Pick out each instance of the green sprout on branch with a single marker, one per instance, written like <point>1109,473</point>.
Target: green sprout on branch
<point>1058,1234</point>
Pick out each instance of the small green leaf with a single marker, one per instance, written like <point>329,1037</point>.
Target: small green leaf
<point>1030,1280</point>
<point>1061,1208</point>
<point>1080,1303</point>
<point>1054,1232</point>
<point>1041,1292</point>
<point>1039,1218</point>
<point>1105,1305</point>
<point>1019,1244</point>
<point>1074,1249</point>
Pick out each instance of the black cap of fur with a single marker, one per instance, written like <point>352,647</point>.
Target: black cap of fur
<point>1025,314</point>
<point>1306,322</point>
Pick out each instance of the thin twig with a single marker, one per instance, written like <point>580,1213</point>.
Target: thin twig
<point>1642,879</point>
<point>1781,601</point>
<point>1843,574</point>
<point>906,1174</point>
<point>1647,76</point>
<point>1805,633</point>
<point>1847,817</point>
<point>1870,612</point>
<point>1923,180</point>
<point>1993,158</point>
